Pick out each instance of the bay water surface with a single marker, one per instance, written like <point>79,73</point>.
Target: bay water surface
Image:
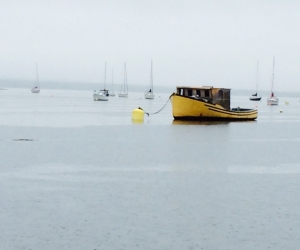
<point>79,174</point>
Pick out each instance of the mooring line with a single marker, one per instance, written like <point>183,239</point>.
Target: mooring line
<point>159,109</point>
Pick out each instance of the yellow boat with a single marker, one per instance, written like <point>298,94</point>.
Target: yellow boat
<point>207,103</point>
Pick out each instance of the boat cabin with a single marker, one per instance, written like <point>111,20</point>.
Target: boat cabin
<point>208,94</point>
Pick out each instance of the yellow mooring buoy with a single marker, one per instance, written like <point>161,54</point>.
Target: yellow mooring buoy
<point>137,115</point>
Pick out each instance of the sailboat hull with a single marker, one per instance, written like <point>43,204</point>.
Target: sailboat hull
<point>35,90</point>
<point>188,108</point>
<point>122,94</point>
<point>272,101</point>
<point>100,97</point>
<point>254,98</point>
<point>149,95</point>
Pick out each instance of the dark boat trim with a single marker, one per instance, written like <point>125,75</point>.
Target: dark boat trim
<point>201,118</point>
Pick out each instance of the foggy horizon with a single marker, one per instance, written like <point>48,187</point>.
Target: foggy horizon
<point>216,43</point>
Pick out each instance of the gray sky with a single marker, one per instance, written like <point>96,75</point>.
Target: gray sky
<point>191,42</point>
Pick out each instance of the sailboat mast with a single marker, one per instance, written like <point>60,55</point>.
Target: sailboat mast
<point>105,75</point>
<point>151,78</point>
<point>125,79</point>
<point>273,74</point>
<point>257,73</point>
<point>37,76</point>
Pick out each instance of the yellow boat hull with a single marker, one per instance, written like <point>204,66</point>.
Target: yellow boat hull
<point>188,108</point>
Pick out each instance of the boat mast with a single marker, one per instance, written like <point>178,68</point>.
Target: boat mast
<point>105,75</point>
<point>125,79</point>
<point>273,75</point>
<point>112,80</point>
<point>37,76</point>
<point>257,77</point>
<point>151,78</point>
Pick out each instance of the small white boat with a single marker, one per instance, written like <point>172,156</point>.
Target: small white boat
<point>101,95</point>
<point>272,100</point>
<point>149,94</point>
<point>36,89</point>
<point>124,90</point>
<point>122,94</point>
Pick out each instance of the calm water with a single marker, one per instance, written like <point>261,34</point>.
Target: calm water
<point>91,179</point>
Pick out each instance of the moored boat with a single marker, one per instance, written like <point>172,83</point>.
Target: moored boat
<point>272,100</point>
<point>124,90</point>
<point>36,89</point>
<point>101,95</point>
<point>207,103</point>
<point>255,97</point>
<point>149,94</point>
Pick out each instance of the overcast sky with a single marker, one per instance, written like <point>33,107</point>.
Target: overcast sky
<point>191,42</point>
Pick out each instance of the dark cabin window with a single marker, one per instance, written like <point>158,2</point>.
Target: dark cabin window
<point>226,95</point>
<point>190,92</point>
<point>221,94</point>
<point>198,92</point>
<point>206,93</point>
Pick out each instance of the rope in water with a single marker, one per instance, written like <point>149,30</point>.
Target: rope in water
<point>159,109</point>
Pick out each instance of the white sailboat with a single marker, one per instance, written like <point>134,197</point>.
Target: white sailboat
<point>101,95</point>
<point>124,89</point>
<point>149,94</point>
<point>36,89</point>
<point>272,100</point>
<point>112,93</point>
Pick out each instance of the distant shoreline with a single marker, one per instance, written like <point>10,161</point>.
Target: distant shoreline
<point>23,84</point>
